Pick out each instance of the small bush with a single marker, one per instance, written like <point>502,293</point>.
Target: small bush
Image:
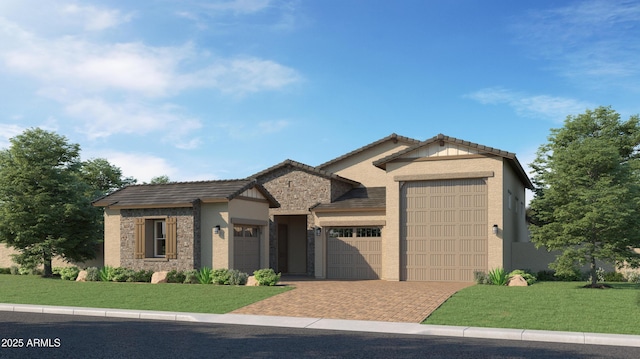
<point>546,276</point>
<point>175,276</point>
<point>141,276</point>
<point>221,276</point>
<point>15,270</point>
<point>632,276</point>
<point>106,273</point>
<point>5,270</point>
<point>205,276</point>
<point>93,274</point>
<point>614,277</point>
<point>498,276</point>
<point>120,274</point>
<point>191,277</point>
<point>267,276</point>
<point>529,277</point>
<point>25,271</point>
<point>481,277</point>
<point>68,273</point>
<point>237,277</point>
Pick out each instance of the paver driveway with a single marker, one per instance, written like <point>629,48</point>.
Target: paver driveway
<point>357,300</point>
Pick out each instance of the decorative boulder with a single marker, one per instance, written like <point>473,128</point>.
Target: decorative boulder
<point>159,277</point>
<point>82,276</point>
<point>252,282</point>
<point>517,281</point>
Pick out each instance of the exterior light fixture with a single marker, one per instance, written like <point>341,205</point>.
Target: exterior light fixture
<point>495,229</point>
<point>216,229</point>
<point>318,231</point>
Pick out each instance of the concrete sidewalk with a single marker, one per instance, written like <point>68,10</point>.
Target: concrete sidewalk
<point>340,324</point>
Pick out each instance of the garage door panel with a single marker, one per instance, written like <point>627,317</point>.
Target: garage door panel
<point>354,257</point>
<point>456,241</point>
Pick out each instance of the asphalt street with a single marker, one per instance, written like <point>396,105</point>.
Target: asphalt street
<point>64,336</point>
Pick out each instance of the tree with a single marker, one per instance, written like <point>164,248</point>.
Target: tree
<point>160,180</point>
<point>103,177</point>
<point>587,192</point>
<point>45,200</point>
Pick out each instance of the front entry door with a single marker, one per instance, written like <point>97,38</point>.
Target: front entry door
<point>283,248</point>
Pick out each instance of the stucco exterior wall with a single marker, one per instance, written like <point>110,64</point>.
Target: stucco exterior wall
<point>448,165</point>
<point>359,167</point>
<point>214,247</point>
<point>188,239</point>
<point>112,237</point>
<point>5,256</point>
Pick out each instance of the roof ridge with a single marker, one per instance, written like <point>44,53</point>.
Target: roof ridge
<point>393,136</point>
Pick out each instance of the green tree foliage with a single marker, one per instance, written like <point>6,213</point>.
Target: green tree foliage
<point>45,199</point>
<point>160,180</point>
<point>587,192</point>
<point>103,177</point>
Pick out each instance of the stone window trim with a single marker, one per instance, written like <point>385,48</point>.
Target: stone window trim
<point>144,238</point>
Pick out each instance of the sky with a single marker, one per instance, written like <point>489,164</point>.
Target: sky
<point>222,89</point>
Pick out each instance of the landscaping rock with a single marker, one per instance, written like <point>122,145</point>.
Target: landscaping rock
<point>517,281</point>
<point>159,277</point>
<point>252,282</point>
<point>82,276</point>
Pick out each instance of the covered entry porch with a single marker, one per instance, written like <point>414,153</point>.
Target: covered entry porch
<point>292,238</point>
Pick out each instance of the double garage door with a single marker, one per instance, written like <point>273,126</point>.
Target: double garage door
<point>443,230</point>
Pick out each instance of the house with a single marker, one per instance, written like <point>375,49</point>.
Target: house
<point>395,209</point>
<point>188,225</point>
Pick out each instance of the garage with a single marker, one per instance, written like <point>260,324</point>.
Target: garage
<point>354,253</point>
<point>246,248</point>
<point>443,229</point>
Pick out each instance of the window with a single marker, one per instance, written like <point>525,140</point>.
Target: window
<point>245,231</point>
<point>159,238</point>
<point>357,232</point>
<point>156,238</point>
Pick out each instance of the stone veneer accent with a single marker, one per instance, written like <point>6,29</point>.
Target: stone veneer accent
<point>297,191</point>
<point>188,239</point>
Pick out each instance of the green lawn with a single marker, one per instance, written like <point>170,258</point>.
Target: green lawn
<point>562,306</point>
<point>197,298</point>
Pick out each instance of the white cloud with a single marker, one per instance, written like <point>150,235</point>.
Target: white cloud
<point>238,6</point>
<point>7,132</point>
<point>95,18</point>
<point>586,40</point>
<point>140,166</point>
<point>545,106</point>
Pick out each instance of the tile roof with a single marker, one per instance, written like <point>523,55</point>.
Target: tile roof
<point>392,137</point>
<point>303,167</point>
<point>180,193</point>
<point>511,157</point>
<point>357,199</point>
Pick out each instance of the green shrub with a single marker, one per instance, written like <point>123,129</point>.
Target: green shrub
<point>546,276</point>
<point>15,270</point>
<point>237,277</point>
<point>106,273</point>
<point>205,276</point>
<point>141,276</point>
<point>68,273</point>
<point>481,277</point>
<point>120,274</point>
<point>175,276</point>
<point>266,276</point>
<point>93,274</point>
<point>498,276</point>
<point>632,277</point>
<point>25,271</point>
<point>220,276</point>
<point>5,270</point>
<point>614,277</point>
<point>191,277</point>
<point>529,277</point>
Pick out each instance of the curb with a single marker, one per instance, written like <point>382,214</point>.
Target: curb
<point>341,325</point>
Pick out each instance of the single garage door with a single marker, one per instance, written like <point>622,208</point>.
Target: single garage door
<point>354,253</point>
<point>444,229</point>
<point>246,248</point>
